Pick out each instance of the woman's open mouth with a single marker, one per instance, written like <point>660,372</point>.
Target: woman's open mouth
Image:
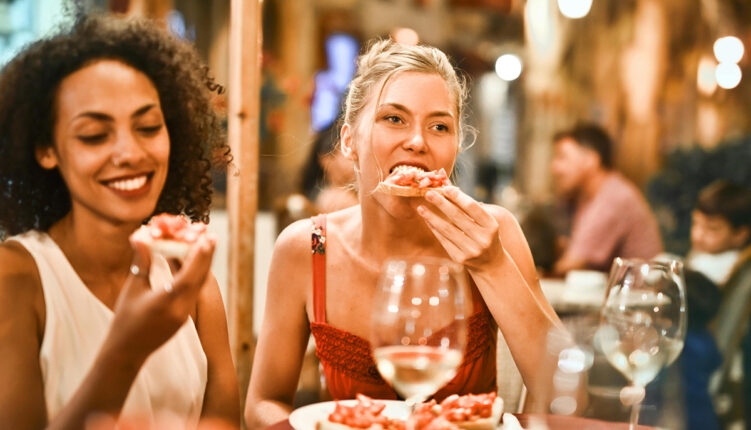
<point>131,185</point>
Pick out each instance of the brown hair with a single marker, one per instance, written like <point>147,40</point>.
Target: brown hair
<point>35,198</point>
<point>726,199</point>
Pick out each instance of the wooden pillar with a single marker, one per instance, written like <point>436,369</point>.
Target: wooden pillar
<point>297,57</point>
<point>242,181</point>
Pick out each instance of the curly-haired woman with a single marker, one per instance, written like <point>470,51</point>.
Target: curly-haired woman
<point>101,126</point>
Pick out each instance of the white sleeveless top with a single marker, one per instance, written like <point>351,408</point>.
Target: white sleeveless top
<point>173,378</point>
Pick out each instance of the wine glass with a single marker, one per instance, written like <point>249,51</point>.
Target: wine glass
<point>419,324</point>
<point>642,322</point>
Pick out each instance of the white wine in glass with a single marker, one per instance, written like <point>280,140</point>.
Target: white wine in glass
<point>643,321</point>
<point>419,324</point>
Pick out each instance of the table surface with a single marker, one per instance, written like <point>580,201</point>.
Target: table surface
<point>553,422</point>
<point>567,298</point>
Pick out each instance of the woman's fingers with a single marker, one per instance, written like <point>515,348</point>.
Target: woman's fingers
<point>444,231</point>
<point>463,223</point>
<point>138,277</point>
<point>451,248</point>
<point>465,213</point>
<point>468,205</point>
<point>195,268</point>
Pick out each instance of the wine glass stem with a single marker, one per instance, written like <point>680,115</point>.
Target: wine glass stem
<point>634,422</point>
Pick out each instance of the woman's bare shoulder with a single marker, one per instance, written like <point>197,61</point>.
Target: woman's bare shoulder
<point>17,264</point>
<point>293,243</point>
<point>20,284</point>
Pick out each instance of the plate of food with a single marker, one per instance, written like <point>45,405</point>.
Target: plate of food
<point>332,415</point>
<point>468,412</point>
<point>412,181</point>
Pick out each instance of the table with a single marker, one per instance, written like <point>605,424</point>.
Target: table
<point>554,422</point>
<point>567,298</point>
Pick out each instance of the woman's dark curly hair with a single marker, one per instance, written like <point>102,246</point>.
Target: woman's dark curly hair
<point>34,198</point>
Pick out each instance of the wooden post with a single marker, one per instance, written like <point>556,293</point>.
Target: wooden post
<point>242,186</point>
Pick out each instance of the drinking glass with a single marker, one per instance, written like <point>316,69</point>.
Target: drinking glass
<point>419,324</point>
<point>642,322</point>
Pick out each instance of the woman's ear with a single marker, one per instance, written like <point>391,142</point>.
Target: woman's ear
<point>741,236</point>
<point>347,144</point>
<point>46,157</point>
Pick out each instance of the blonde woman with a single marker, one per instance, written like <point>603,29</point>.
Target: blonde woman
<point>404,107</point>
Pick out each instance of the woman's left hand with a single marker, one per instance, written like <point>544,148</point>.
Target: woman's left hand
<point>465,229</point>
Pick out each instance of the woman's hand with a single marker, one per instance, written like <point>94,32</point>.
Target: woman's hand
<point>465,229</point>
<point>146,317</point>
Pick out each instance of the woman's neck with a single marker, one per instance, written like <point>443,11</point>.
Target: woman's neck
<point>406,234</point>
<point>94,247</point>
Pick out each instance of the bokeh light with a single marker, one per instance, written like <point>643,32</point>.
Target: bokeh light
<point>728,49</point>
<point>508,67</point>
<point>728,75</point>
<point>574,8</point>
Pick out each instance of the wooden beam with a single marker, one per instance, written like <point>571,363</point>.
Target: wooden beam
<point>242,181</point>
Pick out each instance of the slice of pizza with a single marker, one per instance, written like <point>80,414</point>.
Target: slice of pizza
<point>412,181</point>
<point>365,413</point>
<point>468,412</point>
<point>473,411</point>
<point>170,235</point>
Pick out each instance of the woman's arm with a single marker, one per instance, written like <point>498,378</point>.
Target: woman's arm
<point>489,243</point>
<point>22,404</point>
<point>285,330</point>
<point>222,399</point>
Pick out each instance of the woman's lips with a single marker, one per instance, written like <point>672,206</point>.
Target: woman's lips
<point>129,186</point>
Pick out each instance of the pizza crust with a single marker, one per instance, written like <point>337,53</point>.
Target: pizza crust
<point>402,191</point>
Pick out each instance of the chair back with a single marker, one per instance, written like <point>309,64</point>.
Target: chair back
<point>731,323</point>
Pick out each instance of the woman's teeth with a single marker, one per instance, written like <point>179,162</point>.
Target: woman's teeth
<point>128,184</point>
<point>406,168</point>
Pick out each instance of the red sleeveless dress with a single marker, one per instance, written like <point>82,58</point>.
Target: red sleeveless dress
<point>347,361</point>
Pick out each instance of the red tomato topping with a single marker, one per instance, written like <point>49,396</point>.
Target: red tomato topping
<point>416,178</point>
<point>365,414</point>
<point>175,227</point>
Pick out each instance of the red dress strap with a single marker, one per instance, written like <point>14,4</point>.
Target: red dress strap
<point>318,248</point>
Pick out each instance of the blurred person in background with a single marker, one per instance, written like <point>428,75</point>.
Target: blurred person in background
<point>700,356</point>
<point>328,179</point>
<point>720,230</point>
<point>610,216</point>
<point>103,125</point>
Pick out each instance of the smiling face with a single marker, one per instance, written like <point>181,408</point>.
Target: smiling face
<point>111,144</point>
<point>414,123</point>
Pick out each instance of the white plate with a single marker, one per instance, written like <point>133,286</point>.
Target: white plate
<point>306,417</point>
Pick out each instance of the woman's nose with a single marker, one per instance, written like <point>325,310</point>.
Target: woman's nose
<point>416,141</point>
<point>127,150</point>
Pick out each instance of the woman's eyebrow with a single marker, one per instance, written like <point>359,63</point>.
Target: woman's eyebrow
<point>100,116</point>
<point>438,113</point>
<point>143,109</point>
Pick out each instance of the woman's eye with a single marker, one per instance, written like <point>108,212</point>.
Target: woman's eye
<point>393,119</point>
<point>443,128</point>
<point>92,138</point>
<point>150,130</point>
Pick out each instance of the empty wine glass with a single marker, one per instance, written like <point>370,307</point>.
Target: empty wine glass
<point>419,324</point>
<point>643,322</point>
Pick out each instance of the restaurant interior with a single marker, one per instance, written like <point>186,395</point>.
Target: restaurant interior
<point>665,79</point>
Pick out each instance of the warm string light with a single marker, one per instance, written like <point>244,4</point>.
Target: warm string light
<point>728,50</point>
<point>508,67</point>
<point>574,8</point>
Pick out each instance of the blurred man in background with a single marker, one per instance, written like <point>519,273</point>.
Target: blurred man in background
<point>610,217</point>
